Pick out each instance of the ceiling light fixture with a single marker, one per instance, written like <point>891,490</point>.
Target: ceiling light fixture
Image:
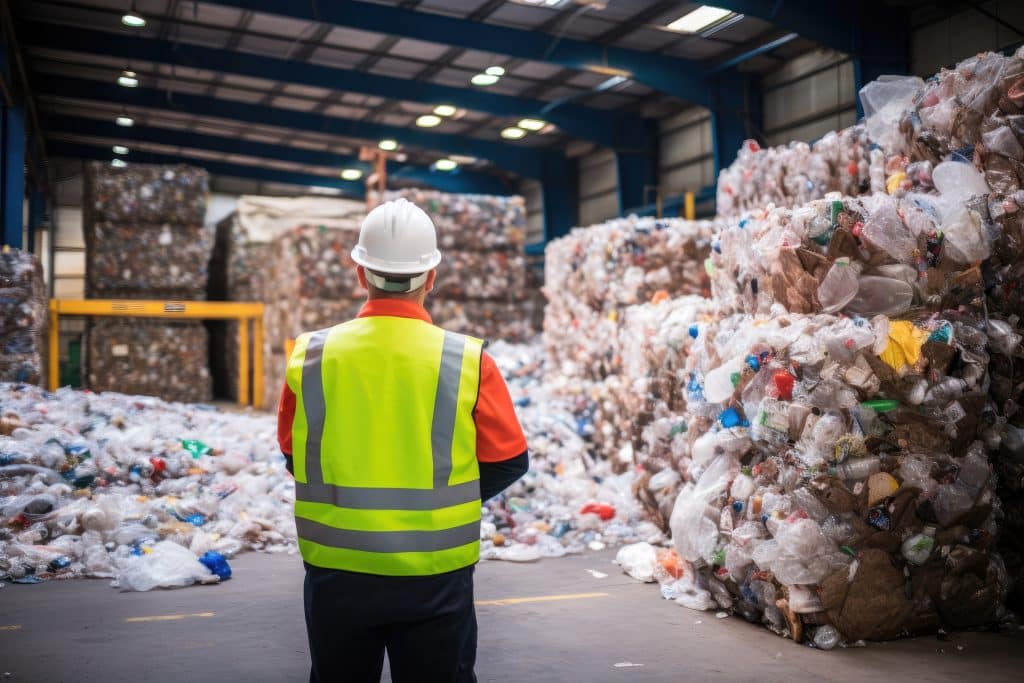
<point>118,163</point>
<point>513,133</point>
<point>388,145</point>
<point>445,110</point>
<point>125,121</point>
<point>483,79</point>
<point>495,71</point>
<point>446,164</point>
<point>133,19</point>
<point>120,149</point>
<point>532,124</point>
<point>351,174</point>
<point>699,19</point>
<point>128,79</point>
<point>428,121</point>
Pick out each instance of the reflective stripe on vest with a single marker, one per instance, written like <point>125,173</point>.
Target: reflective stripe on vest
<point>420,514</point>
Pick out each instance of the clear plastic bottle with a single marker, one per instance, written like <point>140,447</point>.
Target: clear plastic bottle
<point>839,285</point>
<point>881,296</point>
<point>856,469</point>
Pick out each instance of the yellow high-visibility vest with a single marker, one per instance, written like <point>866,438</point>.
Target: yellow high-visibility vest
<point>384,447</point>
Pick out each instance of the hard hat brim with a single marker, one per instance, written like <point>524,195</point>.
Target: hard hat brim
<point>430,262</point>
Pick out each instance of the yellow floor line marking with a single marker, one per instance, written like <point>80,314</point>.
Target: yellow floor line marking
<point>12,627</point>
<point>542,598</point>
<point>171,617</point>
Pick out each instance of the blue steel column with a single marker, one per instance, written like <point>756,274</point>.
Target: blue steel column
<point>13,174</point>
<point>36,216</point>
<point>736,115</point>
<point>637,166</point>
<point>560,191</point>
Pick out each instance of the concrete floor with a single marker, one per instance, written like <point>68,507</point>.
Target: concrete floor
<point>585,629</point>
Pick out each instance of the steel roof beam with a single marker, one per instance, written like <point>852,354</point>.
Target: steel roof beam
<point>522,161</point>
<point>595,125</point>
<point>97,152</point>
<point>470,181</point>
<point>682,78</point>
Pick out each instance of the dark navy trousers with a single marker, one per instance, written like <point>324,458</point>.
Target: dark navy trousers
<point>426,624</point>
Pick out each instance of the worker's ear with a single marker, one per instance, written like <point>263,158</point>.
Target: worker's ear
<point>429,286</point>
<point>361,274</point>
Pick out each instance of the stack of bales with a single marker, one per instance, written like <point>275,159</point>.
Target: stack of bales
<point>145,239</point>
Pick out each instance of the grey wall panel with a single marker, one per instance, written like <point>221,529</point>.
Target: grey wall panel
<point>533,194</point>
<point>598,173</point>
<point>951,40</point>
<point>599,209</point>
<point>691,177</point>
<point>685,144</point>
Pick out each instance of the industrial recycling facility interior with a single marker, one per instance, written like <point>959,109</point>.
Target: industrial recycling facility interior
<point>752,273</point>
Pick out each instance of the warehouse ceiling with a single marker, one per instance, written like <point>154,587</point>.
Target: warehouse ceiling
<point>300,86</point>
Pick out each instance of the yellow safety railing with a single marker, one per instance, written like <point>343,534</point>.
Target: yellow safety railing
<point>243,312</point>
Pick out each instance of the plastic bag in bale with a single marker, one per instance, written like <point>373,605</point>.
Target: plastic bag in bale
<point>167,359</point>
<point>23,318</point>
<point>141,193</point>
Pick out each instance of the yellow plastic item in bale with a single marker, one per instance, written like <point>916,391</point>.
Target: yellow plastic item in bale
<point>905,342</point>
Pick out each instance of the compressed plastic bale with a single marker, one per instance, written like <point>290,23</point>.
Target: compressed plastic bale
<point>313,262</point>
<point>486,275</point>
<point>152,357</point>
<point>797,173</point>
<point>137,260</point>
<point>141,193</point>
<point>470,222</point>
<point>491,320</point>
<point>23,318</point>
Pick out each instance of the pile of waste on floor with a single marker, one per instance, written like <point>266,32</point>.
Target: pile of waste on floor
<point>149,492</point>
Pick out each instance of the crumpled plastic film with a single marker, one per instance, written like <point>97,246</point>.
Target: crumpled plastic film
<point>101,485</point>
<point>828,488</point>
<point>23,318</point>
<point>143,260</point>
<point>142,193</point>
<point>469,222</point>
<point>161,358</point>
<point>796,173</point>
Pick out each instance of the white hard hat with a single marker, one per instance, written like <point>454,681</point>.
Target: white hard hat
<point>397,238</point>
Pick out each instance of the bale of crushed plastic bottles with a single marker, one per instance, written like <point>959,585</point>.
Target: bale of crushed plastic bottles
<point>23,318</point>
<point>165,358</point>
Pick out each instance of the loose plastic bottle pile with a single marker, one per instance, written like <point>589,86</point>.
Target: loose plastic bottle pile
<point>145,239</point>
<point>134,488</point>
<point>152,493</point>
<point>23,317</point>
